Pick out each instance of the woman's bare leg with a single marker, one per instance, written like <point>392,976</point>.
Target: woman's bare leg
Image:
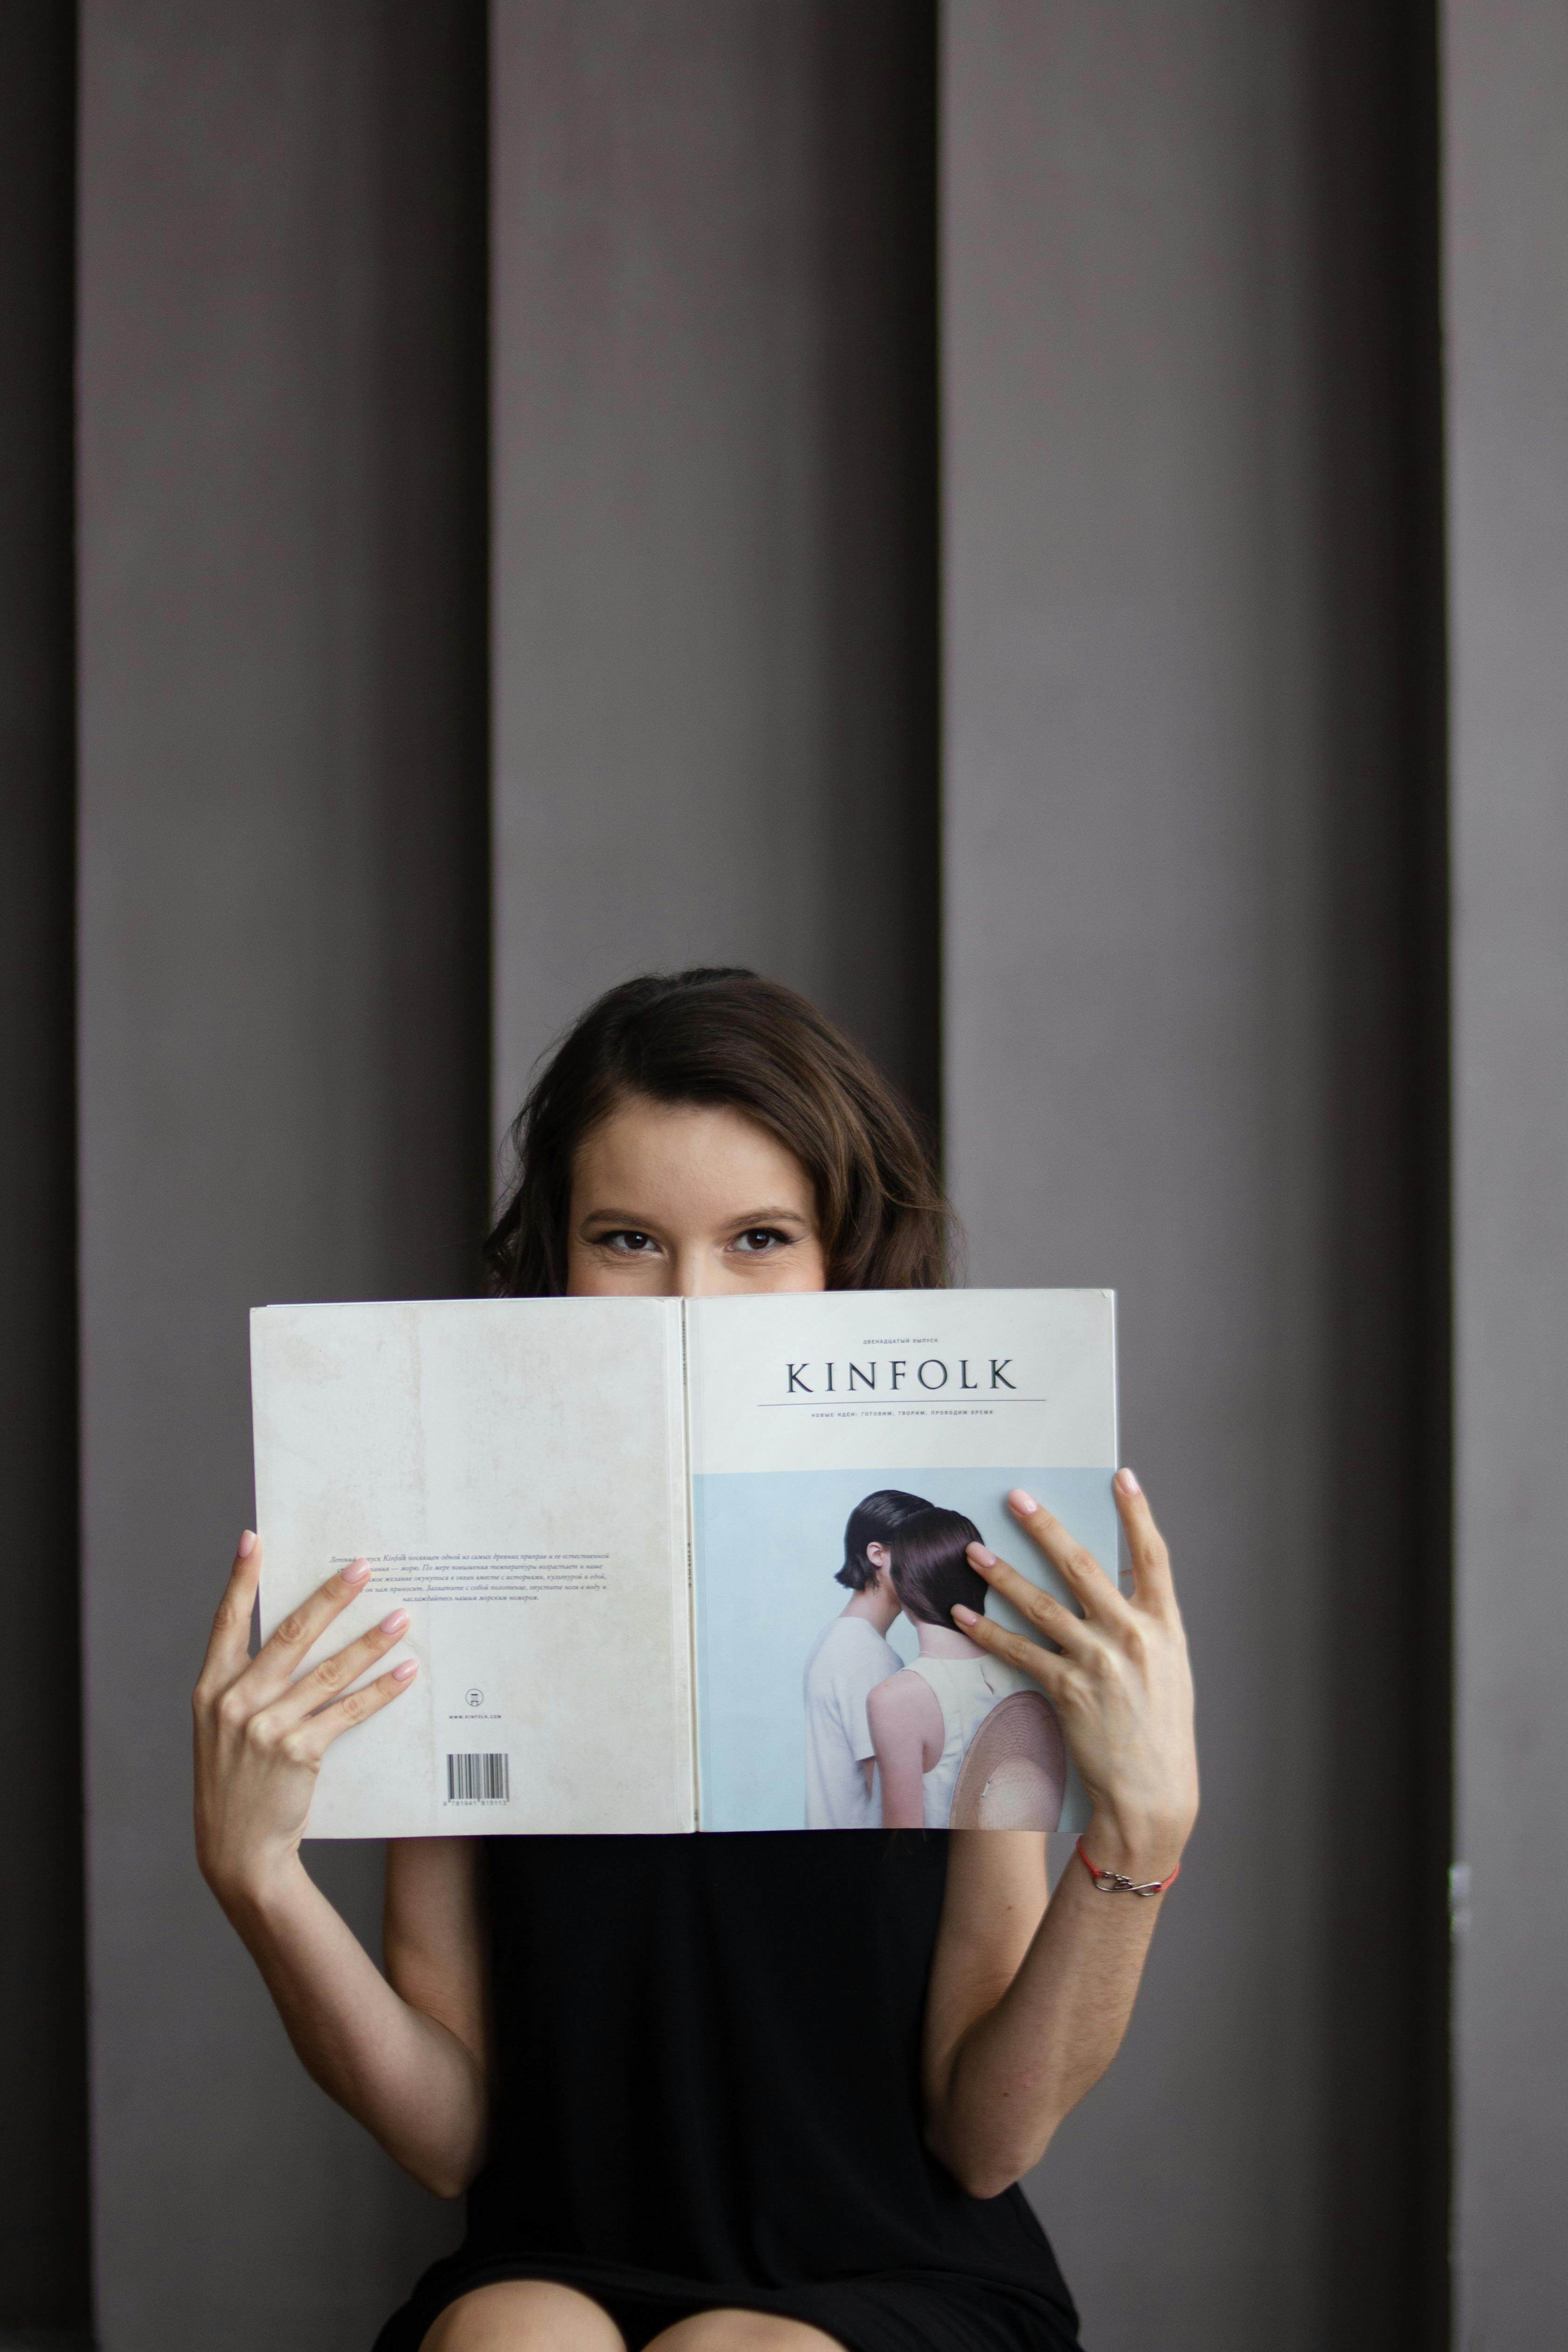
<point>742,2331</point>
<point>526,2315</point>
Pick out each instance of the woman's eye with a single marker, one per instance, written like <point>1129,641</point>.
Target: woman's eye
<point>627,1243</point>
<point>758,1238</point>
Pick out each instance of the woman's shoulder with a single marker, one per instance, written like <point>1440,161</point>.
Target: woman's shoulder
<point>907,1703</point>
<point>908,1690</point>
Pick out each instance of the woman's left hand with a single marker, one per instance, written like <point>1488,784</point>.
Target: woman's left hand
<point>1119,1677</point>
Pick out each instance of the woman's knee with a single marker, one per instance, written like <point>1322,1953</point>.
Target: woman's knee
<point>525,2316</point>
<point>742,2331</point>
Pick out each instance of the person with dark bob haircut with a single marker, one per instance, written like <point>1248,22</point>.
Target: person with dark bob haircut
<point>848,1658</point>
<point>720,2094</point>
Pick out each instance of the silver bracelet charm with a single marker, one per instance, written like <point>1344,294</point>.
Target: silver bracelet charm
<point>1110,1882</point>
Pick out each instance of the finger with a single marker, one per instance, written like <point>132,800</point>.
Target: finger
<point>278,1657</point>
<point>228,1646</point>
<point>1041,1609</point>
<point>1153,1584</point>
<point>1016,1648</point>
<point>334,1675</point>
<point>309,1742</point>
<point>1074,1563</point>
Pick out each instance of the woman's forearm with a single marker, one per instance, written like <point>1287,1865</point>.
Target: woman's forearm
<point>997,2093</point>
<point>406,2077</point>
<point>1024,2014</point>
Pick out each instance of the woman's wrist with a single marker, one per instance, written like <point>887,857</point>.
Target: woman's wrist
<point>263,1893</point>
<point>1143,1847</point>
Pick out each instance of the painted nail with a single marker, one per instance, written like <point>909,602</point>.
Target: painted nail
<point>981,1557</point>
<point>247,1543</point>
<point>406,1671</point>
<point>1128,1484</point>
<point>394,1623</point>
<point>356,1573</point>
<point>1022,1502</point>
<point>964,1616</point>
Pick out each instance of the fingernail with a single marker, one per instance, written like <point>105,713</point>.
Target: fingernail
<point>357,1572</point>
<point>964,1616</point>
<point>1021,1502</point>
<point>394,1623</point>
<point>406,1671</point>
<point>981,1557</point>
<point>1128,1484</point>
<point>247,1543</point>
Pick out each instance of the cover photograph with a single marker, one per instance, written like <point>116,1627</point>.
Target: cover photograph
<point>665,1559</point>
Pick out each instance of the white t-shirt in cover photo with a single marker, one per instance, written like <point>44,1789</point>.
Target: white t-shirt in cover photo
<point>847,1662</point>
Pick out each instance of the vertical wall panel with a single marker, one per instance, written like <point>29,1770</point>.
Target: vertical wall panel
<point>1506,300</point>
<point>714,428</point>
<point>43,2009</point>
<point>1190,779</point>
<point>283,1025</point>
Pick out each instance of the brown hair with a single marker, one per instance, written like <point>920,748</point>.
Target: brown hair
<point>872,1521</point>
<point>725,1036</point>
<point>929,1565</point>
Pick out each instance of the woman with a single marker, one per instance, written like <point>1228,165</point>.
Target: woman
<point>922,1720</point>
<point>744,2094</point>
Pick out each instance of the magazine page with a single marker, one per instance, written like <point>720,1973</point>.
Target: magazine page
<point>514,1471</point>
<point>846,1447</point>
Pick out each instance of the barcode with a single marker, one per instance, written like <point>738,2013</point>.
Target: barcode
<point>478,1779</point>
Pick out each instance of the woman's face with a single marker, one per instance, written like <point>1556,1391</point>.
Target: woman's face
<point>678,1201</point>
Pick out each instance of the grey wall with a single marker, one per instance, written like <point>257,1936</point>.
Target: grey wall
<point>1506,78</point>
<point>43,2073</point>
<point>1191,783</point>
<point>283,1026</point>
<point>1196,930</point>
<point>714,596</point>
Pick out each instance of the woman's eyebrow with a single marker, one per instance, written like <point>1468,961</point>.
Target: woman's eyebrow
<point>768,1216</point>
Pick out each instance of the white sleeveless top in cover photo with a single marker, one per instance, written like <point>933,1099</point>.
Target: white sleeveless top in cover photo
<point>966,1691</point>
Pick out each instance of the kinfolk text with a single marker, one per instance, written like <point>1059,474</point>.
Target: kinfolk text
<point>933,1374</point>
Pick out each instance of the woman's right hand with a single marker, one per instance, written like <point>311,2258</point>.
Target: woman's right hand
<point>260,1735</point>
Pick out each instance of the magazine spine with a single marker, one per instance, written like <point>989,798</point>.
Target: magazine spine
<point>687,1409</point>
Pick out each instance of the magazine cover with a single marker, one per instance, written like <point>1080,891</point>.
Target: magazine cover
<point>846,1447</point>
<point>684,1564</point>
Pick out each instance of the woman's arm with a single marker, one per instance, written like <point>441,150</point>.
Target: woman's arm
<point>409,2064</point>
<point>1028,2003</point>
<point>898,1712</point>
<point>435,1942</point>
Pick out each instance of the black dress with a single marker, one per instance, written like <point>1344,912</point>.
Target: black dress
<point>709,2094</point>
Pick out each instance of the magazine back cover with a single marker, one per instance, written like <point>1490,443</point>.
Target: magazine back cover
<point>514,1470</point>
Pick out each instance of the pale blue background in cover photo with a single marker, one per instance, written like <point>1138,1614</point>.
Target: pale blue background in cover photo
<point>767,1543</point>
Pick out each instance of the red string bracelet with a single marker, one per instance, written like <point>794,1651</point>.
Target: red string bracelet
<point>1110,1882</point>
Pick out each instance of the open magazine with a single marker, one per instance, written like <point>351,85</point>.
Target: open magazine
<point>661,1554</point>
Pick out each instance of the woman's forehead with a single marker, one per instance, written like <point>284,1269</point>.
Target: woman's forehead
<point>697,1155</point>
